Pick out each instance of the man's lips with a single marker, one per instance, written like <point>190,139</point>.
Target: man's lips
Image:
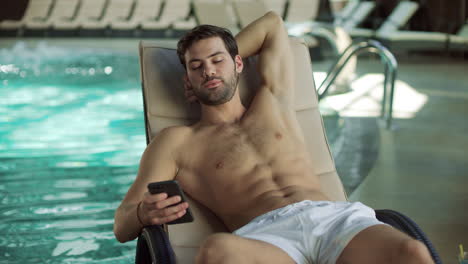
<point>212,84</point>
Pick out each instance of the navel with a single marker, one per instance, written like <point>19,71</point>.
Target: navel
<point>278,135</point>
<point>219,165</point>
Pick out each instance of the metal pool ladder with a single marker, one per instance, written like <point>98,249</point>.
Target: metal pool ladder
<point>387,58</point>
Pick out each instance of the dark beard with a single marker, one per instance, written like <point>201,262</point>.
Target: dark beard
<point>223,93</point>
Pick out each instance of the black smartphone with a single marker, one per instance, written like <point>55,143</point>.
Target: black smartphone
<point>172,188</point>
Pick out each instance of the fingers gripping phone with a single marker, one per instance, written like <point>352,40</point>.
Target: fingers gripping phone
<point>172,188</point>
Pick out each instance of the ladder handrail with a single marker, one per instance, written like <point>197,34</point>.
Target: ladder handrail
<point>391,65</point>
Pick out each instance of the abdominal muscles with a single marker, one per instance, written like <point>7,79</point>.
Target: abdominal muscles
<point>239,180</point>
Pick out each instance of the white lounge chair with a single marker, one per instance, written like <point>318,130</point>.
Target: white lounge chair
<point>37,10</point>
<point>145,10</point>
<point>90,10</point>
<point>345,13</point>
<point>165,105</point>
<point>160,70</point>
<point>420,40</point>
<point>117,10</point>
<point>248,11</point>
<point>185,21</point>
<point>359,14</point>
<point>460,40</point>
<point>216,13</point>
<point>278,6</point>
<point>173,13</point>
<point>397,19</point>
<point>416,40</point>
<point>355,10</point>
<point>63,10</point>
<point>390,34</point>
<point>302,11</point>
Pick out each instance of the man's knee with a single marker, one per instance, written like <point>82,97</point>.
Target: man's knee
<point>413,251</point>
<point>217,248</point>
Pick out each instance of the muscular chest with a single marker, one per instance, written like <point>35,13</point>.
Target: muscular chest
<point>232,147</point>
<point>262,135</point>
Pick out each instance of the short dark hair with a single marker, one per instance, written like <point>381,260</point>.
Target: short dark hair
<point>203,32</point>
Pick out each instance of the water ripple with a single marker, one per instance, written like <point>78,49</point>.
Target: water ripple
<point>71,135</point>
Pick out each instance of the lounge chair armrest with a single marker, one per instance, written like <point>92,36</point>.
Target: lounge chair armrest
<point>153,246</point>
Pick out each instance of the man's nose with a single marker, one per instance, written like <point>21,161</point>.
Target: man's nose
<point>209,71</point>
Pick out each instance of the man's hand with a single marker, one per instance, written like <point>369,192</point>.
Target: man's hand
<point>155,165</point>
<point>189,94</point>
<point>158,209</point>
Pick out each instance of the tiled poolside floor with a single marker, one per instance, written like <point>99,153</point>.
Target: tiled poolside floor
<point>422,164</point>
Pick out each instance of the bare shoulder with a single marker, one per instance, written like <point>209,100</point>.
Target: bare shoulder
<point>168,140</point>
<point>173,135</point>
<point>174,132</point>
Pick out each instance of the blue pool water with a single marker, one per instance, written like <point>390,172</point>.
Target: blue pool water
<point>71,135</point>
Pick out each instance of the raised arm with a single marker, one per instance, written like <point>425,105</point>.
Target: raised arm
<point>267,37</point>
<point>138,206</point>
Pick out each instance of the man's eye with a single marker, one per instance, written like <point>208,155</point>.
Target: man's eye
<point>196,67</point>
<point>217,61</point>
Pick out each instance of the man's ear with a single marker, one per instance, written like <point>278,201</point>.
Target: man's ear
<point>239,63</point>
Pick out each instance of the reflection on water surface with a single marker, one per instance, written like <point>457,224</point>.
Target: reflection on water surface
<point>71,135</point>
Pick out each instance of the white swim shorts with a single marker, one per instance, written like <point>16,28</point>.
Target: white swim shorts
<point>311,231</point>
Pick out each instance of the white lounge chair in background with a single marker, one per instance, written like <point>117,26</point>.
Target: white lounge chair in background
<point>302,11</point>
<point>63,10</point>
<point>390,34</point>
<point>216,12</point>
<point>37,10</point>
<point>345,13</point>
<point>145,10</point>
<point>352,10</point>
<point>340,18</point>
<point>173,13</point>
<point>185,21</point>
<point>359,14</point>
<point>416,40</point>
<point>421,40</point>
<point>278,6</point>
<point>90,10</point>
<point>116,10</point>
<point>459,41</point>
<point>248,11</point>
<point>300,21</point>
<point>399,17</point>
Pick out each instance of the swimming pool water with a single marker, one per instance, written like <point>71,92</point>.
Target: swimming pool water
<point>71,136</point>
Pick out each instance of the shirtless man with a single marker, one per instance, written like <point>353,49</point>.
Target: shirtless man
<point>250,166</point>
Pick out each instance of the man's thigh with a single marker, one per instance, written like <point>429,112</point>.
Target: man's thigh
<point>383,244</point>
<point>229,248</point>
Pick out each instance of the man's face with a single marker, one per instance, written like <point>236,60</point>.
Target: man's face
<point>211,72</point>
